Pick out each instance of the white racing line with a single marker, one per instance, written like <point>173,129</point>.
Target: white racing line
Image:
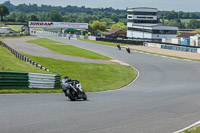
<point>189,127</point>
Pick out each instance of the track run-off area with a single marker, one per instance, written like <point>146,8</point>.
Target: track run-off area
<point>165,98</point>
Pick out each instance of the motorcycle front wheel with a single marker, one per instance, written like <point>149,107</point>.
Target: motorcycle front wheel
<point>84,96</point>
<point>72,95</point>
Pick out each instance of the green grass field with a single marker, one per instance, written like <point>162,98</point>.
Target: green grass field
<point>68,49</point>
<point>15,27</point>
<point>9,62</point>
<point>196,130</point>
<point>94,77</point>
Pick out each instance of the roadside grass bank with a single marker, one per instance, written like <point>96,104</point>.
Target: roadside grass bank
<point>65,49</point>
<point>8,62</point>
<point>15,27</point>
<point>196,130</point>
<point>93,77</point>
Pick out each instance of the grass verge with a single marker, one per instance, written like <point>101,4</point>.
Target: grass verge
<point>9,62</point>
<point>68,49</point>
<point>196,130</point>
<point>15,27</point>
<point>94,77</point>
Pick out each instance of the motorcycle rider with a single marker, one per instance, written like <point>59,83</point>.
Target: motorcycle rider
<point>67,80</point>
<point>119,47</point>
<point>128,49</point>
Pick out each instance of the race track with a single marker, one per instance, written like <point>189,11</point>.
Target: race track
<point>164,99</point>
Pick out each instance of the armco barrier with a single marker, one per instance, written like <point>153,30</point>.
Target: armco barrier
<point>28,80</point>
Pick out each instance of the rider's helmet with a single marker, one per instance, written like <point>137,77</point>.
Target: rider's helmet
<point>66,78</point>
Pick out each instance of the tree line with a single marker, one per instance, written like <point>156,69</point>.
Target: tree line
<point>33,12</point>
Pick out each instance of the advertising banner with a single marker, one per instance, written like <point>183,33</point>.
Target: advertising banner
<point>44,24</point>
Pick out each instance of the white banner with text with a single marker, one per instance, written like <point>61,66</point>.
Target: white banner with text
<point>37,24</point>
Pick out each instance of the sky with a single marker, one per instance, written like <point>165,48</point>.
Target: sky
<point>162,5</point>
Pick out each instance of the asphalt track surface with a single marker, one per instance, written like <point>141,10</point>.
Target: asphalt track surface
<point>164,99</point>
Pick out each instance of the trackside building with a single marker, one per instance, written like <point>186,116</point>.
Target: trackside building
<point>143,22</point>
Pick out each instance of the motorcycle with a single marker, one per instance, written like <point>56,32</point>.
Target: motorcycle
<point>128,50</point>
<point>72,89</point>
<point>118,46</point>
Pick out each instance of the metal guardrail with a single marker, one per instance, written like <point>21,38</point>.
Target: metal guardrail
<point>28,80</point>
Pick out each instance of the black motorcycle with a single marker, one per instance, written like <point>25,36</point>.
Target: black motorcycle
<point>73,90</point>
<point>118,46</point>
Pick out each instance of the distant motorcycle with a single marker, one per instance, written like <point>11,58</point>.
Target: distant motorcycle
<point>128,49</point>
<point>118,46</point>
<point>72,89</point>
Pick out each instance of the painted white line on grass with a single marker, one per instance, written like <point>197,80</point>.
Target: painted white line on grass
<point>189,127</point>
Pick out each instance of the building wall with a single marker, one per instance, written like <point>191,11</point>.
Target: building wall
<point>172,40</point>
<point>185,41</point>
<point>136,34</point>
<point>160,36</point>
<point>195,41</point>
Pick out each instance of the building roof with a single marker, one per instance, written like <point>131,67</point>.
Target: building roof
<point>186,35</point>
<point>114,31</point>
<point>143,9</point>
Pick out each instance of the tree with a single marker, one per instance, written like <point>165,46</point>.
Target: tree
<point>54,16</point>
<point>3,11</point>
<point>33,17</point>
<point>194,24</point>
<point>119,25</point>
<point>21,17</point>
<point>98,26</point>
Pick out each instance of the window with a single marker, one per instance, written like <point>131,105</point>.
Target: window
<point>145,13</point>
<point>153,31</point>
<point>143,21</point>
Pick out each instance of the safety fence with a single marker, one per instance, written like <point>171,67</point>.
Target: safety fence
<point>28,80</point>
<point>24,58</point>
<point>174,47</point>
<point>179,48</point>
